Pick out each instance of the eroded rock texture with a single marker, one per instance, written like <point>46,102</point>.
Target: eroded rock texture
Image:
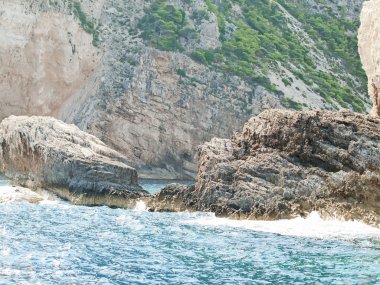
<point>42,152</point>
<point>285,164</point>
<point>369,49</point>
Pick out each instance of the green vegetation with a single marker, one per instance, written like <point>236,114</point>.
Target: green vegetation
<point>181,72</point>
<point>286,82</point>
<point>199,15</point>
<point>291,104</point>
<point>262,38</point>
<point>163,25</point>
<point>207,56</point>
<point>335,32</point>
<point>220,17</point>
<point>87,25</point>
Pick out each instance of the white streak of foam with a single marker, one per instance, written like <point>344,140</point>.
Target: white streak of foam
<point>48,198</point>
<point>312,226</point>
<point>140,206</point>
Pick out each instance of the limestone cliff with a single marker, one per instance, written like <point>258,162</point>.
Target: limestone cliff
<point>369,48</point>
<point>45,153</point>
<point>155,92</point>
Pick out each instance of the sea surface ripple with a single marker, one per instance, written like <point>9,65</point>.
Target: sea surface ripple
<point>58,243</point>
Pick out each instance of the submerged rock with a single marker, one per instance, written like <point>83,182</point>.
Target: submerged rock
<point>42,152</point>
<point>284,164</point>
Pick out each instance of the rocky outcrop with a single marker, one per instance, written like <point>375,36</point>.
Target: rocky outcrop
<point>285,164</point>
<point>369,49</point>
<point>42,152</point>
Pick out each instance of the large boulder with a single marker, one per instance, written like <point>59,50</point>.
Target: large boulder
<point>369,49</point>
<point>284,164</point>
<point>42,152</point>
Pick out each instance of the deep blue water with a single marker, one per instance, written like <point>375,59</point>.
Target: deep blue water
<point>57,243</point>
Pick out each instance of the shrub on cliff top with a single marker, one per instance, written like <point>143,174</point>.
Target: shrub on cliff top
<point>163,25</point>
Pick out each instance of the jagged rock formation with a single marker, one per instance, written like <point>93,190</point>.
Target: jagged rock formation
<point>93,63</point>
<point>285,164</point>
<point>369,49</point>
<point>42,152</point>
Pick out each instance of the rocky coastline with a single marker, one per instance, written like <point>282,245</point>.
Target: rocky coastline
<point>286,164</point>
<point>282,165</point>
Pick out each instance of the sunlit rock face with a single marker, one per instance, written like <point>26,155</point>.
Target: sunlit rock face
<point>46,58</point>
<point>369,49</point>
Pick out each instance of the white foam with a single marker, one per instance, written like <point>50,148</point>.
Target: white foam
<point>11,194</point>
<point>17,194</point>
<point>312,226</point>
<point>140,206</point>
<point>49,202</point>
<point>49,199</point>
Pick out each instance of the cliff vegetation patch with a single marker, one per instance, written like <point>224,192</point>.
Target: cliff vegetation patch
<point>258,35</point>
<point>163,25</point>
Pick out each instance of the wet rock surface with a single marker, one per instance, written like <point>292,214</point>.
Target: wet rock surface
<point>284,164</point>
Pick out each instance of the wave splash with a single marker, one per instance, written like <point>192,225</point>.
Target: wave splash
<point>140,206</point>
<point>312,226</point>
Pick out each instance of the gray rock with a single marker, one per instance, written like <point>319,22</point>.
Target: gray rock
<point>284,164</point>
<point>42,152</point>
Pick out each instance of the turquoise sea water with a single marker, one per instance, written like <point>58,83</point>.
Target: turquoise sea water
<point>58,243</point>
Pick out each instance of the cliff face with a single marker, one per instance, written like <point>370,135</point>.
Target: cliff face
<point>45,59</point>
<point>369,49</point>
<point>155,92</point>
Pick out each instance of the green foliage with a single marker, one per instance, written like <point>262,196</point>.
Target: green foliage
<point>199,15</point>
<point>221,20</point>
<point>163,25</point>
<point>86,24</point>
<point>291,104</point>
<point>262,38</point>
<point>286,82</point>
<point>330,88</point>
<point>181,72</point>
<point>337,33</point>
<point>207,56</point>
